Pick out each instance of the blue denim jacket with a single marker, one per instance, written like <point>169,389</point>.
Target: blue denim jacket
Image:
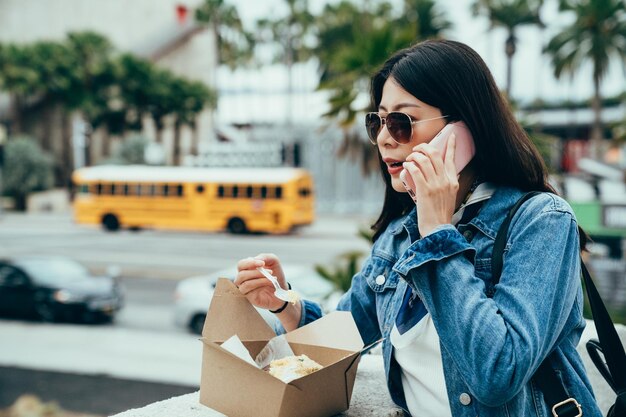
<point>490,347</point>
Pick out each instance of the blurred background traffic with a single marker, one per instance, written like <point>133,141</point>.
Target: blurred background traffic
<point>146,146</point>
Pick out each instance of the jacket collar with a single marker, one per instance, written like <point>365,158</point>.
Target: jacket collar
<point>494,211</point>
<point>488,220</point>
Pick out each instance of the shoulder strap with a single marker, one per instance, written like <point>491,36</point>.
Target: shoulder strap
<point>610,343</point>
<point>610,346</point>
<point>500,242</point>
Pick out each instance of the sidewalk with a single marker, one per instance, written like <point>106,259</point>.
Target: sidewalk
<point>124,353</point>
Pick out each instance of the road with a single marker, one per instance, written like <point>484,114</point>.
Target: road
<point>170,254</point>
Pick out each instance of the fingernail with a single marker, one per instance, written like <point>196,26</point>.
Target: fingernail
<point>259,262</point>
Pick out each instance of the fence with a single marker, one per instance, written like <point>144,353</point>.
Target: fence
<point>341,186</point>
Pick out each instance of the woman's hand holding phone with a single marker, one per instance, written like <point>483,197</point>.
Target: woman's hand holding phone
<point>436,184</point>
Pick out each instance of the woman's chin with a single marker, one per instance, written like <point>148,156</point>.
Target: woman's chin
<point>396,184</point>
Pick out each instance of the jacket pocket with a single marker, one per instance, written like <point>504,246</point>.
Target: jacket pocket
<point>380,276</point>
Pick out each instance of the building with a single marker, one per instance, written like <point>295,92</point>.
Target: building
<point>162,31</point>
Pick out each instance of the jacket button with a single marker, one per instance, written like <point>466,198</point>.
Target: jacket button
<point>380,280</point>
<point>468,235</point>
<point>465,399</point>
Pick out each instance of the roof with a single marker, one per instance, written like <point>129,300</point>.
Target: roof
<point>142,173</point>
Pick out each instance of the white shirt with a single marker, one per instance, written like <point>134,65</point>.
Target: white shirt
<point>418,352</point>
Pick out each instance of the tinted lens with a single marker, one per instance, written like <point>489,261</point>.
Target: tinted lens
<point>373,124</point>
<point>399,127</point>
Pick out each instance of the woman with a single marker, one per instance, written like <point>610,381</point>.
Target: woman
<point>455,344</point>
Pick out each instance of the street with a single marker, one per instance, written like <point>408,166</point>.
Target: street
<point>170,254</point>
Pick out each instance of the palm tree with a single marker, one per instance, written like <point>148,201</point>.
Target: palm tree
<point>189,98</point>
<point>353,42</point>
<point>597,35</point>
<point>20,78</point>
<point>510,15</point>
<point>233,45</point>
<point>427,21</point>
<point>292,33</point>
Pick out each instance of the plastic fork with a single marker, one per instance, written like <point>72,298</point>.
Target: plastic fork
<point>278,292</point>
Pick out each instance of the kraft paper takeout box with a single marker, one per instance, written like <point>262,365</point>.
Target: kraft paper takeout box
<point>236,388</point>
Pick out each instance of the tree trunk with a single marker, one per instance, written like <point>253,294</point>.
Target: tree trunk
<point>47,111</point>
<point>194,139</point>
<point>88,147</point>
<point>510,51</point>
<point>176,150</point>
<point>596,130</point>
<point>106,145</point>
<point>20,202</point>
<point>159,134</point>
<point>16,114</point>
<point>67,158</point>
<point>159,125</point>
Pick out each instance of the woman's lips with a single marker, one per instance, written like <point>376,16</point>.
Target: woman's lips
<point>394,170</point>
<point>394,167</point>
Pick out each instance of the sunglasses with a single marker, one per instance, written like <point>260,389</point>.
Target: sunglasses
<point>399,126</point>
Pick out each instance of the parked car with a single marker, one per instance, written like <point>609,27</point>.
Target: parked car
<point>51,288</point>
<point>193,295</point>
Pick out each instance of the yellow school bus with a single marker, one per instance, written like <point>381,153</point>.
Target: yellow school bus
<point>240,200</point>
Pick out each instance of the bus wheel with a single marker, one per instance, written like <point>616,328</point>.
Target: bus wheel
<point>110,222</point>
<point>237,226</point>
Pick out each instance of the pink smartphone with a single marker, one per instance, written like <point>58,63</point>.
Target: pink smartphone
<point>463,154</point>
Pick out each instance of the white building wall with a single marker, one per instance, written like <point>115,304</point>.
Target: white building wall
<point>128,24</point>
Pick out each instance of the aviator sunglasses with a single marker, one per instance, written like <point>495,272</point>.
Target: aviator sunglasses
<point>399,126</point>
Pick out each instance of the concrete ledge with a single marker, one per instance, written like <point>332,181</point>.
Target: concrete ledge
<point>370,397</point>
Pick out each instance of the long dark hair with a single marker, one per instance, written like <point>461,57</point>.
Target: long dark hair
<point>451,76</point>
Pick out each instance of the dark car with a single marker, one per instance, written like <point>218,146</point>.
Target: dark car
<point>56,289</point>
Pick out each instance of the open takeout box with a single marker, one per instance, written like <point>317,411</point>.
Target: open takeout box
<point>237,388</point>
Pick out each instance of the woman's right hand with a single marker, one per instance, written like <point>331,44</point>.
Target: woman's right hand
<point>258,289</point>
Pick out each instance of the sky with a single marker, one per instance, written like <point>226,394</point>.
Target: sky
<point>252,95</point>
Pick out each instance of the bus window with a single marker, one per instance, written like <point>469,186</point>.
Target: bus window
<point>179,190</point>
<point>83,189</point>
<point>166,190</point>
<point>99,189</point>
<point>264,192</point>
<point>279,192</point>
<point>220,191</point>
<point>126,189</point>
<point>138,189</point>
<point>235,191</point>
<point>113,189</point>
<point>153,190</point>
<point>200,189</point>
<point>249,191</point>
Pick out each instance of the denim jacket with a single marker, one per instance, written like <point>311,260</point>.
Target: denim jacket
<point>490,347</point>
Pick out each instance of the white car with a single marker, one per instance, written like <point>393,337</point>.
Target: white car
<point>193,295</point>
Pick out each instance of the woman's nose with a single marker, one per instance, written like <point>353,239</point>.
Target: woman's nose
<point>384,137</point>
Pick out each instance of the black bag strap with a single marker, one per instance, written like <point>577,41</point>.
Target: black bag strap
<point>500,242</point>
<point>556,396</point>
